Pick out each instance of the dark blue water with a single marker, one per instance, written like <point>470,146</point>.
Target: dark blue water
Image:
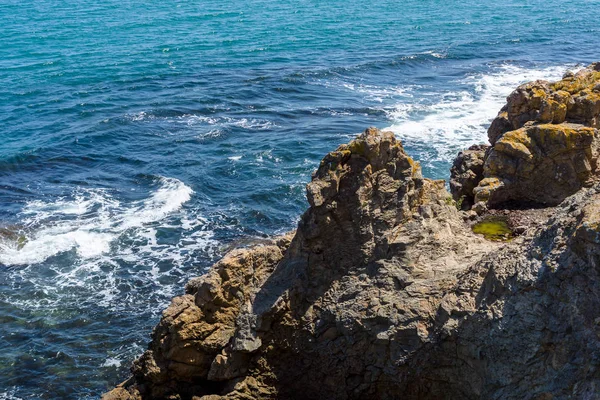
<point>141,140</point>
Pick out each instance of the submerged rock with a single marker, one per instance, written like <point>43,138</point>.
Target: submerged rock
<point>384,291</point>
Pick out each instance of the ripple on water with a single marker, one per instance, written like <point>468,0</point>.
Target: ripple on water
<point>100,100</point>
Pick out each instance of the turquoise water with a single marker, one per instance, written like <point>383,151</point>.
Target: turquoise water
<point>141,140</point>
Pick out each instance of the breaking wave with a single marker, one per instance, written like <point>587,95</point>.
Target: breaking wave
<point>89,223</point>
<point>439,124</point>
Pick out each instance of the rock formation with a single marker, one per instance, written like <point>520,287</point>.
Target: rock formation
<point>544,142</point>
<point>523,323</point>
<point>334,311</point>
<point>384,292</point>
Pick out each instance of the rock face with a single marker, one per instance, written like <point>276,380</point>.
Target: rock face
<point>545,142</point>
<point>465,175</point>
<point>338,311</point>
<point>384,292</point>
<point>523,323</point>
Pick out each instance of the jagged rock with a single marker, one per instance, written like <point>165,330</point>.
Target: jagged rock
<point>544,142</point>
<point>384,292</point>
<point>465,175</point>
<point>204,336</point>
<point>573,99</point>
<point>524,321</point>
<point>338,312</point>
<point>499,125</point>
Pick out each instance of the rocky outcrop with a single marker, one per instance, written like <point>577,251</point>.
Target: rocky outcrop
<point>384,292</point>
<point>523,323</point>
<point>465,175</point>
<point>338,311</point>
<point>545,142</point>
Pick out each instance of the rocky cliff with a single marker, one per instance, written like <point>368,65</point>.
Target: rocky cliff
<point>385,292</point>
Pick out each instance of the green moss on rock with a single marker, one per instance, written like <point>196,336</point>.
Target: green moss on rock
<point>494,228</point>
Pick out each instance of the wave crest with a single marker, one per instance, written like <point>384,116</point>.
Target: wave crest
<point>88,223</point>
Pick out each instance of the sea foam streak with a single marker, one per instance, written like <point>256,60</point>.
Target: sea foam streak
<point>9,395</point>
<point>444,122</point>
<point>89,223</point>
<point>114,252</point>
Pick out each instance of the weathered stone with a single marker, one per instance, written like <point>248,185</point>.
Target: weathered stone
<point>465,175</point>
<point>571,99</point>
<point>193,340</point>
<point>540,164</point>
<point>354,295</point>
<point>499,126</point>
<point>544,142</point>
<point>531,331</point>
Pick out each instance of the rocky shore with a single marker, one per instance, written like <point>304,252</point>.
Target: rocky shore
<point>385,292</point>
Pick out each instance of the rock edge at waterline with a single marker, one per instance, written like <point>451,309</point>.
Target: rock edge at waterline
<point>384,292</point>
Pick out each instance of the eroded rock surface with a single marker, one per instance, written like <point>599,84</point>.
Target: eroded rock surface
<point>524,322</point>
<point>545,142</point>
<point>336,313</point>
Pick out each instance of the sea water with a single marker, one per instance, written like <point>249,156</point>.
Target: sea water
<point>142,140</point>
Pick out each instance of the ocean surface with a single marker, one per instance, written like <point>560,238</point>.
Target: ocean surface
<point>142,140</point>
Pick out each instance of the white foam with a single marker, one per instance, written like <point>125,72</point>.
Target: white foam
<point>9,395</point>
<point>445,121</point>
<point>377,93</point>
<point>112,362</point>
<point>55,227</point>
<point>140,116</point>
<point>213,133</point>
<point>50,241</point>
<point>168,198</point>
<point>193,120</point>
<point>435,54</point>
<point>113,249</point>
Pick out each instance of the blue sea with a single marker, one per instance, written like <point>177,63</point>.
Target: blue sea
<point>141,140</point>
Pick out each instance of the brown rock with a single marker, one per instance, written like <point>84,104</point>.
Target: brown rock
<point>338,313</point>
<point>499,126</point>
<point>540,164</point>
<point>544,142</point>
<point>384,292</point>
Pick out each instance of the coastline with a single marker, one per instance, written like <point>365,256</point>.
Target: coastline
<point>384,290</point>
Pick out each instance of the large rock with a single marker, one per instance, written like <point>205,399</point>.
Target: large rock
<point>544,142</point>
<point>542,163</point>
<point>383,292</point>
<point>575,98</point>
<point>524,322</point>
<point>338,312</point>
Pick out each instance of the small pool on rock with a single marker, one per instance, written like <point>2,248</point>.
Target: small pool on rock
<point>494,228</point>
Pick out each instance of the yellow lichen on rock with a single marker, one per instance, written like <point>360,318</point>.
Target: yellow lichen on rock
<point>556,139</point>
<point>516,144</point>
<point>485,188</point>
<point>545,141</point>
<point>584,79</point>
